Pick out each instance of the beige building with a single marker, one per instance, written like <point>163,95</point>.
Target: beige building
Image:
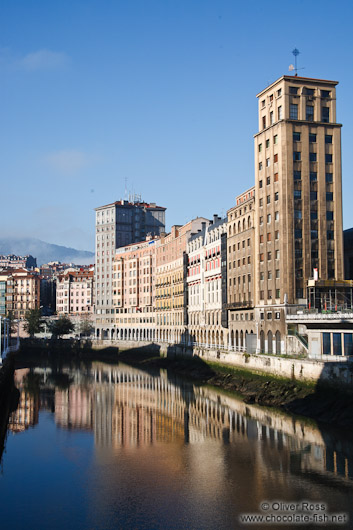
<point>241,266</point>
<point>171,283</point>
<point>133,292</point>
<point>22,292</point>
<point>298,224</point>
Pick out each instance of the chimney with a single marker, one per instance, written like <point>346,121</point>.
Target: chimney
<point>215,218</point>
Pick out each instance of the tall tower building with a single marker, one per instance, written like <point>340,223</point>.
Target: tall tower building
<point>118,224</point>
<point>298,191</point>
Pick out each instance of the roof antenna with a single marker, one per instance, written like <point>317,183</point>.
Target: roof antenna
<point>125,197</point>
<point>295,52</point>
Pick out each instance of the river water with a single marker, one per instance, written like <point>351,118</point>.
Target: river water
<point>103,446</point>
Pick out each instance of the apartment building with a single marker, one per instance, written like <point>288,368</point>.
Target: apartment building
<point>22,292</point>
<point>171,283</point>
<point>298,221</point>
<point>134,292</point>
<point>74,292</point>
<point>11,261</point>
<point>206,294</point>
<point>119,224</point>
<point>241,266</point>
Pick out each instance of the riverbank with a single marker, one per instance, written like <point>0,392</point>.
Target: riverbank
<point>319,401</point>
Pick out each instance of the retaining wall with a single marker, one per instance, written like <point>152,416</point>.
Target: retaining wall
<point>333,372</point>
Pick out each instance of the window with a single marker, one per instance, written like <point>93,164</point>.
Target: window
<point>297,214</point>
<point>269,275</point>
<point>328,139</point>
<point>298,233</point>
<point>277,274</point>
<point>276,196</point>
<point>309,113</point>
<point>262,257</point>
<point>269,314</point>
<point>296,137</point>
<point>330,234</point>
<point>268,181</point>
<point>267,162</point>
<point>276,216</point>
<point>309,91</point>
<point>328,158</point>
<point>313,234</point>
<point>263,103</point>
<point>260,166</point>
<point>261,298</point>
<point>277,313</point>
<point>329,177</point>
<point>261,201</point>
<point>325,114</point>
<point>262,276</point>
<point>297,175</point>
<point>268,218</point>
<point>312,157</point>
<point>279,92</point>
<point>293,90</point>
<point>325,93</point>
<point>275,139</point>
<point>293,111</point>
<point>277,254</point>
<point>329,215</point>
<point>280,114</point>
<point>271,118</point>
<point>297,194</point>
<point>268,236</point>
<point>268,199</point>
<point>269,256</point>
<point>297,156</point>
<point>313,195</point>
<point>264,122</point>
<point>260,148</point>
<point>275,158</point>
<point>313,215</point>
<point>313,176</point>
<point>261,220</point>
<point>267,144</point>
<point>271,97</point>
<point>312,138</point>
<point>275,177</point>
<point>278,295</point>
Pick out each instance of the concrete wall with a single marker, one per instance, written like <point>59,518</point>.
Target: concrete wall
<point>336,373</point>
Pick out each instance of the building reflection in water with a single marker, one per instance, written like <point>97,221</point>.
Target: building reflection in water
<point>128,408</point>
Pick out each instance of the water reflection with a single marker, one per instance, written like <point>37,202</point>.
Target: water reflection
<point>126,407</point>
<point>108,446</point>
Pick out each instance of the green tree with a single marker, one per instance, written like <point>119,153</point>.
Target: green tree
<point>61,327</point>
<point>33,322</point>
<point>11,320</point>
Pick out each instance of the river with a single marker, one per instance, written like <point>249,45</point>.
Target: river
<point>106,446</point>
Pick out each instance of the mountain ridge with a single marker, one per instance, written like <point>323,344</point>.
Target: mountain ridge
<point>44,251</point>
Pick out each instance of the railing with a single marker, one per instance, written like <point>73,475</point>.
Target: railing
<point>294,333</point>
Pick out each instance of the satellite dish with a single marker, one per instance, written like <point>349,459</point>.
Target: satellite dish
<point>291,67</point>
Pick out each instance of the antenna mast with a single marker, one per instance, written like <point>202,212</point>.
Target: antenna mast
<point>295,52</point>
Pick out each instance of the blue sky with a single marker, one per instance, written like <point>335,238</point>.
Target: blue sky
<point>158,92</point>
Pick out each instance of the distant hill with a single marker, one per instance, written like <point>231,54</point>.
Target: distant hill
<point>45,252</point>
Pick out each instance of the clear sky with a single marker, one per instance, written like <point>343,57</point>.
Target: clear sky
<point>158,92</point>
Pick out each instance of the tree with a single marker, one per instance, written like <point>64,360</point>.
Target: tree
<point>86,327</point>
<point>33,322</point>
<point>61,327</point>
<point>11,323</point>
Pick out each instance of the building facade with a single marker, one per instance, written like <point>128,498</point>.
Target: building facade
<point>17,262</point>
<point>22,292</point>
<point>204,282</point>
<point>119,224</point>
<point>74,292</point>
<point>298,223</point>
<point>134,292</point>
<point>241,266</point>
<point>171,283</point>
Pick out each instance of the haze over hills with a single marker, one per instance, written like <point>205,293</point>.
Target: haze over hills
<point>45,252</point>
